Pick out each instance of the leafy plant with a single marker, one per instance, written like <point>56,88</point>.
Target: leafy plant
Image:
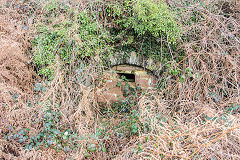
<point>94,37</point>
<point>155,18</point>
<point>51,134</point>
<point>54,8</point>
<point>20,136</point>
<point>146,17</point>
<point>86,32</point>
<point>77,35</point>
<point>47,45</point>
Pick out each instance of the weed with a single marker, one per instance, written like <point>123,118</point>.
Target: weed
<point>192,115</point>
<point>51,135</point>
<point>84,34</point>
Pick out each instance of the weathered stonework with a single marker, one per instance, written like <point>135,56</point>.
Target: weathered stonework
<point>135,59</point>
<point>144,71</point>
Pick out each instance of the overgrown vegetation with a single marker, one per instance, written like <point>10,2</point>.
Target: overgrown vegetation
<point>101,29</point>
<point>193,113</point>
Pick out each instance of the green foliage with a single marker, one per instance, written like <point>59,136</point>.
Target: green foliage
<point>233,108</point>
<point>182,75</point>
<point>77,34</point>
<point>73,33</point>
<point>38,87</point>
<point>123,109</point>
<point>54,8</point>
<point>130,94</point>
<point>146,17</point>
<point>20,136</point>
<point>224,117</point>
<point>51,134</point>
<point>146,27</point>
<point>155,18</point>
<point>49,44</point>
<point>94,37</point>
<point>128,126</point>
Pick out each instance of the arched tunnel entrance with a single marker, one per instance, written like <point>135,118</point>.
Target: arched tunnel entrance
<point>120,75</point>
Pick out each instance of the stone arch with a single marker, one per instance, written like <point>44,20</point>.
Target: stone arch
<point>135,59</point>
<point>141,71</point>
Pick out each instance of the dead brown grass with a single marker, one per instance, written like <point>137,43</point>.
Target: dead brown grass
<point>16,79</point>
<point>13,64</point>
<point>213,52</point>
<point>184,134</point>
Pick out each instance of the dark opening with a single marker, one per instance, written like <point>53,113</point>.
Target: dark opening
<point>127,76</point>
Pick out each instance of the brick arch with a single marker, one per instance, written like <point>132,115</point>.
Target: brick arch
<point>136,76</point>
<point>135,59</point>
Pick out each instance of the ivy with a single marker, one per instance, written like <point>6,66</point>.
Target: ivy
<point>102,29</point>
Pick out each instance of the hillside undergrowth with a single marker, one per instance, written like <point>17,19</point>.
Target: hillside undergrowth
<point>52,112</point>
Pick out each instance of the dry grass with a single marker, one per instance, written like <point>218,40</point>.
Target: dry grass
<point>184,135</point>
<point>212,51</point>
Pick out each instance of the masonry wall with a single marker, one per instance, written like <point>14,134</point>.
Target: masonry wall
<point>111,92</point>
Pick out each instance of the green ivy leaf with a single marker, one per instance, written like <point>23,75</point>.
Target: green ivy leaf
<point>65,137</point>
<point>104,149</point>
<point>182,78</point>
<point>91,147</point>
